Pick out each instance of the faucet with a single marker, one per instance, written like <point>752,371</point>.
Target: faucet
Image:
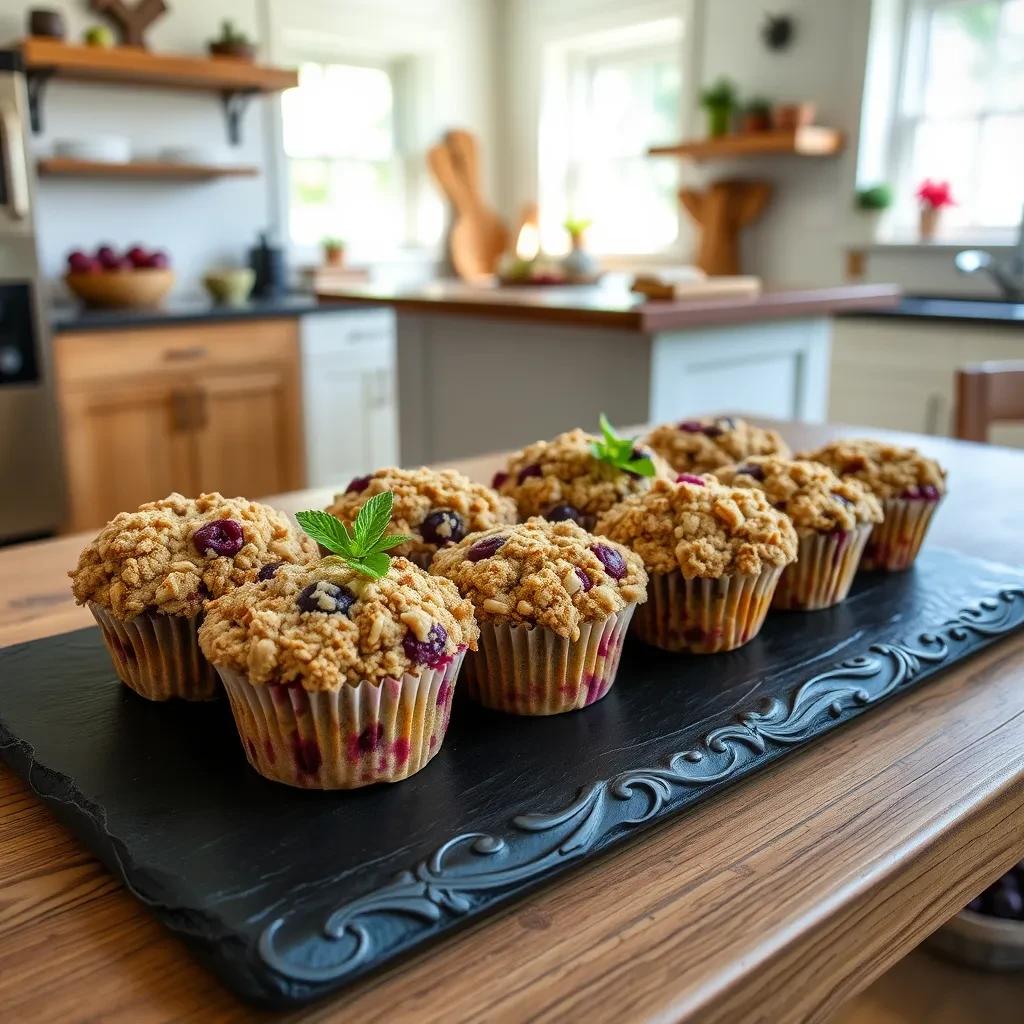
<point>1008,274</point>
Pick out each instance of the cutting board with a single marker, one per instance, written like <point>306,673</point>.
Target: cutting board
<point>660,287</point>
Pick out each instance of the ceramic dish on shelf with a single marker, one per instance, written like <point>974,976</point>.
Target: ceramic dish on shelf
<point>101,149</point>
<point>205,155</point>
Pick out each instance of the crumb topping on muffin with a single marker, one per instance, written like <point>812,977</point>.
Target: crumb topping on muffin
<point>173,555</point>
<point>324,625</point>
<point>540,573</point>
<point>562,480</point>
<point>702,445</point>
<point>435,508</point>
<point>888,470</point>
<point>703,529</point>
<point>809,493</point>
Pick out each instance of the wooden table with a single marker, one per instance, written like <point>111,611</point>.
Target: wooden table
<point>773,902</point>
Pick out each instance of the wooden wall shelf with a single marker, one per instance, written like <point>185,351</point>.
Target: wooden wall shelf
<point>235,80</point>
<point>811,140</point>
<point>67,168</point>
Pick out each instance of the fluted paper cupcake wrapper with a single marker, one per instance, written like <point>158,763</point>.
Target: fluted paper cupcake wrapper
<point>895,542</point>
<point>534,671</point>
<point>343,739</point>
<point>824,570</point>
<point>705,616</point>
<point>158,656</point>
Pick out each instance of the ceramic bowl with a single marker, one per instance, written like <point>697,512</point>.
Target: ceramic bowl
<point>231,286</point>
<point>105,149</point>
<point>121,289</point>
<point>978,940</point>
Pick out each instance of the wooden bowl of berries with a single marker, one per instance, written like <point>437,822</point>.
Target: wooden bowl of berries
<point>136,279</point>
<point>989,932</point>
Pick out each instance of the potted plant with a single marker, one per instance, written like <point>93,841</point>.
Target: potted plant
<point>334,251</point>
<point>719,100</point>
<point>578,263</point>
<point>871,202</point>
<point>232,43</point>
<point>934,197</point>
<point>756,115</point>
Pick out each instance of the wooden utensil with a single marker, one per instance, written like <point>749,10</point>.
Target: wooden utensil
<point>478,236</point>
<point>722,211</point>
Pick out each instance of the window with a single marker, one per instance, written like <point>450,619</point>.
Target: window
<point>594,156</point>
<point>960,114</point>
<point>347,173</point>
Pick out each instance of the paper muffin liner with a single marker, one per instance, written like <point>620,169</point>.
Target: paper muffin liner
<point>704,616</point>
<point>525,670</point>
<point>343,739</point>
<point>824,570</point>
<point>895,541</point>
<point>158,655</point>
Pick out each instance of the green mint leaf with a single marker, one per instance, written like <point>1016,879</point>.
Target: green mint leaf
<point>373,565</point>
<point>373,520</point>
<point>610,436</point>
<point>392,540</point>
<point>643,467</point>
<point>326,530</point>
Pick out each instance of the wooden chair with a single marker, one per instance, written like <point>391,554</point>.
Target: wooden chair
<point>986,393</point>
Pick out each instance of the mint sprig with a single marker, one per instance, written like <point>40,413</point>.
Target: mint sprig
<point>364,545</point>
<point>618,451</point>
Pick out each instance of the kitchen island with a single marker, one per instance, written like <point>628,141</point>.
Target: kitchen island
<point>774,901</point>
<point>477,364</point>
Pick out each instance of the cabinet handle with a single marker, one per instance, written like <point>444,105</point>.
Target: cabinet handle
<point>175,355</point>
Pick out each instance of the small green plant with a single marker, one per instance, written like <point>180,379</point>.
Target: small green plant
<point>576,225</point>
<point>620,452</point>
<point>721,95</point>
<point>230,34</point>
<point>364,545</point>
<point>758,105</point>
<point>332,242</point>
<point>874,197</point>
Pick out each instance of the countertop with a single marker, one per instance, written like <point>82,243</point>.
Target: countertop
<point>78,318</point>
<point>776,900</point>
<point>951,310</point>
<point>612,304</point>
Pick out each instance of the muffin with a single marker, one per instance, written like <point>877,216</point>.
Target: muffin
<point>908,484</point>
<point>553,603</point>
<point>833,517</point>
<point>149,574</point>
<point>714,555</point>
<point>337,680</point>
<point>704,445</point>
<point>435,508</point>
<point>565,480</point>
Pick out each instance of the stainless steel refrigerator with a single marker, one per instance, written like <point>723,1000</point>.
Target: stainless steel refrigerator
<point>31,492</point>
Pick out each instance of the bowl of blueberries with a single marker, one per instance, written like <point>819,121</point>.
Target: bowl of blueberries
<point>989,932</point>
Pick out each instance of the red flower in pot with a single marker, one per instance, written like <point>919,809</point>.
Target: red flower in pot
<point>934,197</point>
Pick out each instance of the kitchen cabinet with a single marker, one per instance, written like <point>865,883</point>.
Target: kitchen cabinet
<point>900,373</point>
<point>349,394</point>
<point>209,406</point>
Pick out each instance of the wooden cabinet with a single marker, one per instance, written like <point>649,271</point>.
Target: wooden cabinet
<point>192,408</point>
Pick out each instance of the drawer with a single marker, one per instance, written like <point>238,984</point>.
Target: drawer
<point>89,357</point>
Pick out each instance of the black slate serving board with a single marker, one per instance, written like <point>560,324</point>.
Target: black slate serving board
<point>289,894</point>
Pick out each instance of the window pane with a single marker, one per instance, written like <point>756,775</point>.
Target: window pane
<point>946,151</point>
<point>1000,193</point>
<point>1008,90</point>
<point>961,45</point>
<point>340,110</point>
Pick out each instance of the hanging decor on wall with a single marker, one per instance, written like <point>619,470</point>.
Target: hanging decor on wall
<point>132,20</point>
<point>778,31</point>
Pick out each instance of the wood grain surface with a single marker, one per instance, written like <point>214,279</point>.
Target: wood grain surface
<point>774,902</point>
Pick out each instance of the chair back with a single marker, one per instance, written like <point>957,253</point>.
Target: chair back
<point>988,393</point>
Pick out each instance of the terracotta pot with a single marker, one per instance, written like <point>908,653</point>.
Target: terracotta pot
<point>334,255</point>
<point>236,51</point>
<point>929,222</point>
<point>755,121</point>
<point>790,116</point>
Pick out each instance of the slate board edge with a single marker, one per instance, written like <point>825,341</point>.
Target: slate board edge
<point>433,907</point>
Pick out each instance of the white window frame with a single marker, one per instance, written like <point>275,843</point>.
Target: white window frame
<point>563,62</point>
<point>903,124</point>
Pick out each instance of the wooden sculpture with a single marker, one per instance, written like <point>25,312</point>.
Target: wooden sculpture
<point>131,20</point>
<point>478,235</point>
<point>722,210</point>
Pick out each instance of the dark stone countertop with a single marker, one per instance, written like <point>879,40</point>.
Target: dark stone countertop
<point>78,318</point>
<point>950,310</point>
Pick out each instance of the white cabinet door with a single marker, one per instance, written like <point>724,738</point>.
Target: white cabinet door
<point>348,363</point>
